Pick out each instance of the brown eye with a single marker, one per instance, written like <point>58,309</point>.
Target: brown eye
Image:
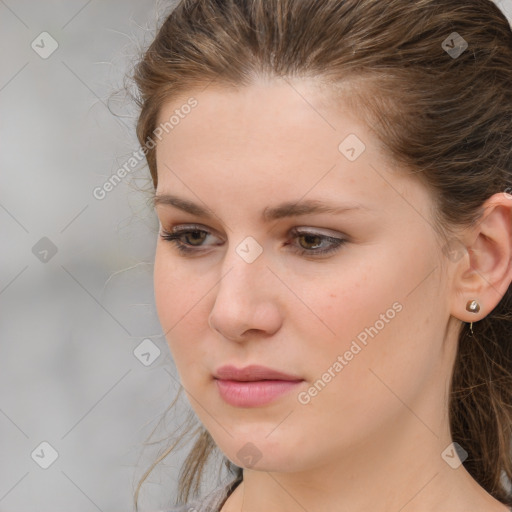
<point>185,238</point>
<point>314,240</point>
<point>188,238</point>
<point>311,239</point>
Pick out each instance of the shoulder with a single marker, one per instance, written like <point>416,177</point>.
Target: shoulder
<point>211,502</point>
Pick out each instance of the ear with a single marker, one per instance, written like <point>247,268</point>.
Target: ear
<point>484,273</point>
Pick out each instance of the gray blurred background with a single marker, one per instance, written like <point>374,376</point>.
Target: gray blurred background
<point>85,372</point>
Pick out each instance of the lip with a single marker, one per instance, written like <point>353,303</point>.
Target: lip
<point>253,373</point>
<point>253,393</point>
<point>253,385</point>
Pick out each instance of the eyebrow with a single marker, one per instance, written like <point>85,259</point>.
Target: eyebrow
<point>287,209</point>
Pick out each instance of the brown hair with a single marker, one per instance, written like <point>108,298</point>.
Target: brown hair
<point>446,117</point>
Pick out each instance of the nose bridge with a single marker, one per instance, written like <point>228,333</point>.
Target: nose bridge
<point>244,267</point>
<point>244,300</point>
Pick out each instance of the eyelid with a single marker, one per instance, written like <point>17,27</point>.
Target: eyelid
<point>313,230</point>
<point>179,228</point>
<point>185,249</point>
<point>319,231</point>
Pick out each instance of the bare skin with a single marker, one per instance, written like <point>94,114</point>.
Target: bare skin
<point>375,436</point>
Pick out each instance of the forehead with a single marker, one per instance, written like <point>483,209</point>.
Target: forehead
<point>272,137</point>
<point>262,109</point>
<point>265,123</point>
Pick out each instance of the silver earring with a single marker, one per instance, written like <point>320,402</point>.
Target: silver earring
<point>474,307</point>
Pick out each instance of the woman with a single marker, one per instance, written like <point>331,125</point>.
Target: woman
<point>333,186</point>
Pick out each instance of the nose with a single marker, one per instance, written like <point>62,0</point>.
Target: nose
<point>247,302</point>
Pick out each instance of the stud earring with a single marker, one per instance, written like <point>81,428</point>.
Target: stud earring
<point>474,307</point>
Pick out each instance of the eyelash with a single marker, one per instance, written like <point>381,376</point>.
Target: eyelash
<point>185,249</point>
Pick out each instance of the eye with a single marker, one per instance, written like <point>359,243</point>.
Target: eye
<point>315,239</point>
<point>192,232</point>
<point>187,238</point>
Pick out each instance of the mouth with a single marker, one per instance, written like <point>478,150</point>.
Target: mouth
<point>254,393</point>
<point>254,373</point>
<point>259,380</point>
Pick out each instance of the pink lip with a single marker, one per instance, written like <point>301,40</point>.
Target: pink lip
<point>253,385</point>
<point>252,394</point>
<point>252,373</point>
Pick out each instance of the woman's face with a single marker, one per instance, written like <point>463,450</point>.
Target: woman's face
<point>363,326</point>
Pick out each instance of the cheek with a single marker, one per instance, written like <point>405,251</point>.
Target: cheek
<point>349,380</point>
<point>178,306</point>
<point>340,307</point>
<point>177,290</point>
<point>384,337</point>
<point>166,279</point>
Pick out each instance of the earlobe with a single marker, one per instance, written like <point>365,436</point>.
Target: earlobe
<point>474,307</point>
<point>483,279</point>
